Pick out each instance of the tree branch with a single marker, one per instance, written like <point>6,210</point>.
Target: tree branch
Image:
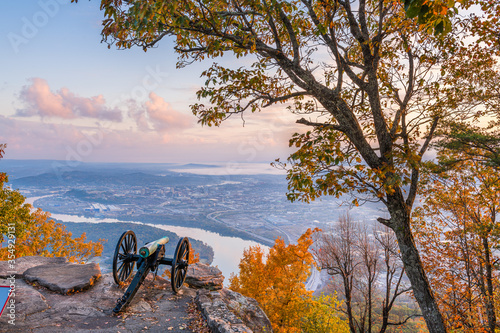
<point>242,13</point>
<point>277,40</point>
<point>404,321</point>
<point>291,34</point>
<point>409,91</point>
<point>157,39</point>
<point>415,170</point>
<point>322,125</point>
<point>429,137</point>
<point>344,64</point>
<point>271,100</point>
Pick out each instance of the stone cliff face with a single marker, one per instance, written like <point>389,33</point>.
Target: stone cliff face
<point>52,295</point>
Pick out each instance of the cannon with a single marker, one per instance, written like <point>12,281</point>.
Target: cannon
<point>149,258</point>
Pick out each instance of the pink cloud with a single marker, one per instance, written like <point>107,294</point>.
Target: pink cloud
<point>163,116</point>
<point>156,114</point>
<point>40,100</point>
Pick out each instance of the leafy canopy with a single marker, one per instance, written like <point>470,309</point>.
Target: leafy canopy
<point>373,85</point>
<point>440,15</point>
<point>434,15</point>
<point>364,75</point>
<point>464,142</point>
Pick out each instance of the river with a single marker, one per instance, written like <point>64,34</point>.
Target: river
<point>227,250</point>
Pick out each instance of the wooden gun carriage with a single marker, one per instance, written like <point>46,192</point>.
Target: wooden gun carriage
<point>150,257</point>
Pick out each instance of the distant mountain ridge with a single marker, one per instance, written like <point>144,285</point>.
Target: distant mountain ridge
<point>24,168</point>
<point>108,178</point>
<point>195,165</point>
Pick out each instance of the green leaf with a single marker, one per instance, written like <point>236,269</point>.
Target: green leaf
<point>422,15</point>
<point>439,28</point>
<point>408,4</point>
<point>414,8</point>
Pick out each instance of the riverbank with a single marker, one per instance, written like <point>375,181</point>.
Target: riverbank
<point>227,251</point>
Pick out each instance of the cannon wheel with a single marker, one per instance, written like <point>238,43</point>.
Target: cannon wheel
<point>123,264</point>
<point>180,264</point>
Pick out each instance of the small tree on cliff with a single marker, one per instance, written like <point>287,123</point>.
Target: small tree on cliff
<point>367,76</point>
<point>278,284</point>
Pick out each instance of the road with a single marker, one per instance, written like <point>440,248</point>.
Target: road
<point>314,280</point>
<point>212,217</point>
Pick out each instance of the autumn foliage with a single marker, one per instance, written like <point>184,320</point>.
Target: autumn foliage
<point>459,235</point>
<point>194,257</point>
<point>47,238</point>
<point>277,282</point>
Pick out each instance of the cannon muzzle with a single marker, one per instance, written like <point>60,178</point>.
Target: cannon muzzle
<point>151,247</point>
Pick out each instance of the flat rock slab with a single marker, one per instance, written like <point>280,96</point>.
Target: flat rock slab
<point>154,309</point>
<point>20,265</point>
<point>204,276</point>
<point>64,278</point>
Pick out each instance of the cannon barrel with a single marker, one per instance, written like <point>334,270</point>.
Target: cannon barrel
<point>151,247</point>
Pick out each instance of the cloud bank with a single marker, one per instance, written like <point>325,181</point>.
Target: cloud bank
<point>64,104</point>
<point>152,131</point>
<point>153,115</point>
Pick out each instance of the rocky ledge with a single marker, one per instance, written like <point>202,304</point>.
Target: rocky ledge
<point>52,295</point>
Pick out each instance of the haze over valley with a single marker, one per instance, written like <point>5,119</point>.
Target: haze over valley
<point>236,201</point>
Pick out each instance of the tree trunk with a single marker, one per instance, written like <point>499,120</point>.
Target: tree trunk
<point>385,319</point>
<point>369,303</point>
<point>348,299</point>
<point>490,307</point>
<point>400,223</point>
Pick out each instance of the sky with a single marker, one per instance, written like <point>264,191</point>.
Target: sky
<point>65,96</point>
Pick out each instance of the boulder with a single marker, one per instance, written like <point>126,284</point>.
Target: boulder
<point>217,314</point>
<point>24,263</point>
<point>155,308</point>
<point>77,313</point>
<point>247,309</point>
<point>64,278</point>
<point>201,275</point>
<point>227,311</point>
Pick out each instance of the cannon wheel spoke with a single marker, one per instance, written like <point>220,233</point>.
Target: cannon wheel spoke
<point>180,264</point>
<point>123,263</point>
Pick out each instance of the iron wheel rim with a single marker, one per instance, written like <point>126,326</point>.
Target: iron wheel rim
<point>180,264</point>
<point>123,264</point>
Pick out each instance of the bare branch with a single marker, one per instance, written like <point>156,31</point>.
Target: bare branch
<point>404,321</point>
<point>322,125</point>
<point>272,100</point>
<point>242,13</point>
